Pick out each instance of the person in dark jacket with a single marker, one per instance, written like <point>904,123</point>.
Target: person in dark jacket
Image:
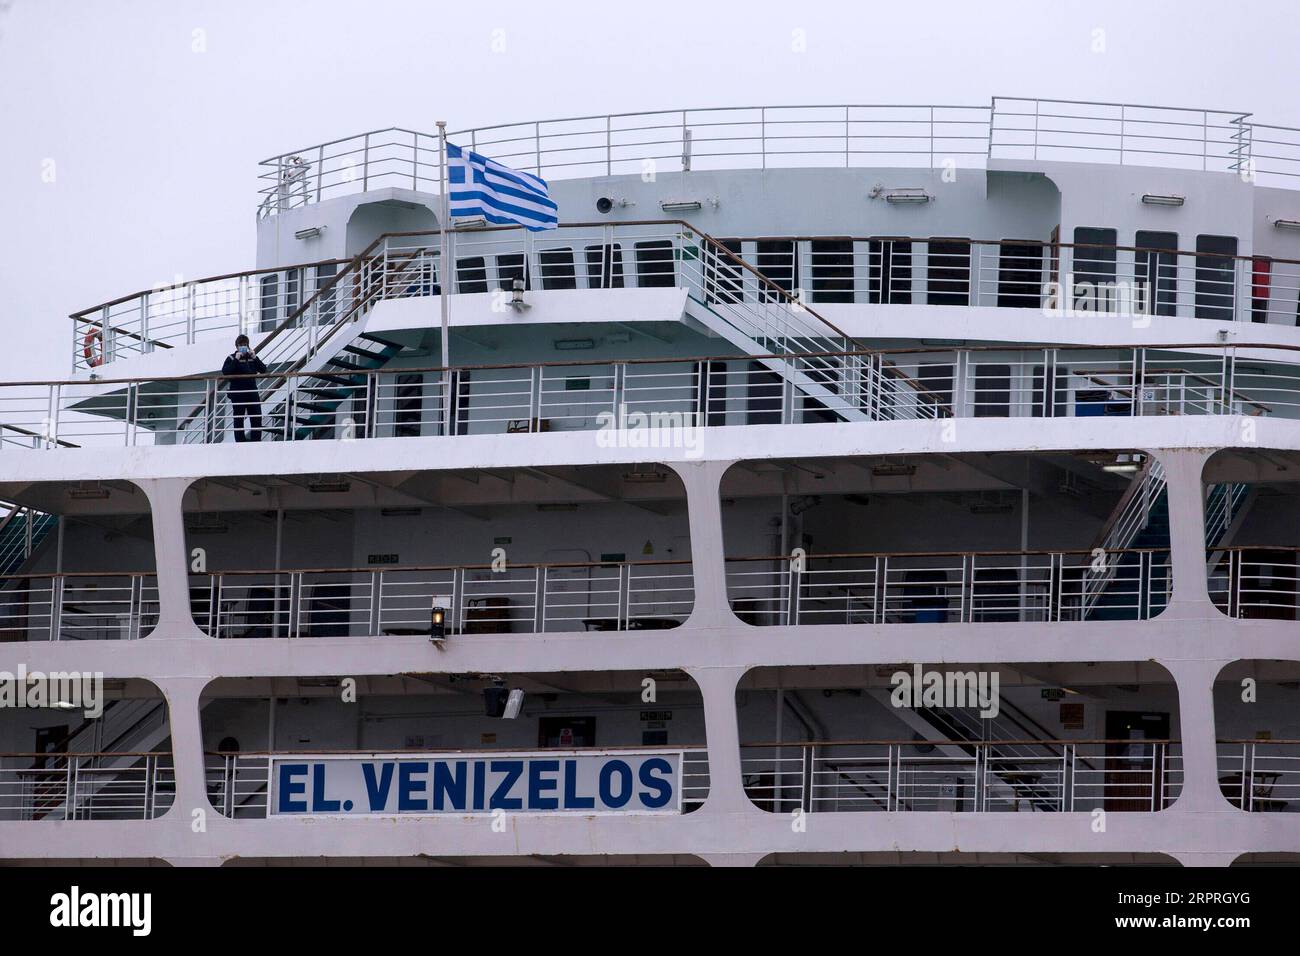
<point>245,399</point>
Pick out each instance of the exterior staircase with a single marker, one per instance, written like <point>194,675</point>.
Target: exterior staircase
<point>130,727</point>
<point>736,302</point>
<point>313,406</point>
<point>21,532</point>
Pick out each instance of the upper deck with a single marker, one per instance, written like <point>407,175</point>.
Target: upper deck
<point>773,137</point>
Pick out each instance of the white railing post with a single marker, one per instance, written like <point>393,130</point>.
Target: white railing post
<point>540,581</point>
<point>376,597</point>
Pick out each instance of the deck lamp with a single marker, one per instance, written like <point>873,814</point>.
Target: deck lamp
<point>438,623</point>
<point>517,295</point>
<point>1151,199</point>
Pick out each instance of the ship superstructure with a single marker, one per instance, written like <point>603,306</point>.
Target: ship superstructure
<point>835,484</point>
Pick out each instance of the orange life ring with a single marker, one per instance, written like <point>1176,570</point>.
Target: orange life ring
<point>94,357</point>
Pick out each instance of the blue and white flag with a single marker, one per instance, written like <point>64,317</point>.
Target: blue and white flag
<point>483,187</point>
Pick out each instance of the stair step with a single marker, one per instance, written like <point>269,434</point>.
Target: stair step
<point>371,337</point>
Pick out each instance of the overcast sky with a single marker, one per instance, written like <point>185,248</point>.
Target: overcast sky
<point>153,131</point>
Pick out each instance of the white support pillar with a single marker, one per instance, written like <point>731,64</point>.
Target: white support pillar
<point>182,694</point>
<point>722,732</point>
<point>702,481</point>
<point>175,619</point>
<point>1196,730</point>
<point>1191,597</point>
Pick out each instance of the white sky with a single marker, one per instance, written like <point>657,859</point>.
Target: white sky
<point>155,145</point>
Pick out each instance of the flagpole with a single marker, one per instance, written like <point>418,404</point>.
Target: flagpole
<point>444,224</point>
<point>444,221</point>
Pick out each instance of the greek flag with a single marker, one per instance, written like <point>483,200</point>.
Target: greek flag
<point>483,187</point>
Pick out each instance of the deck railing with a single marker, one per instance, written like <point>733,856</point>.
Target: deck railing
<point>520,598</point>
<point>1260,776</point>
<point>1256,582</point>
<point>770,137</point>
<point>85,606</point>
<point>963,776</point>
<point>958,775</point>
<point>948,587</point>
<point>873,775</point>
<point>658,403</point>
<point>86,786</point>
<point>772,283</point>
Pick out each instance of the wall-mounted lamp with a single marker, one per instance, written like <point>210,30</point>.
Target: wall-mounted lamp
<point>685,205</point>
<point>311,232</point>
<point>1151,199</point>
<point>517,295</point>
<point>907,197</point>
<point>438,624</point>
<point>1286,223</point>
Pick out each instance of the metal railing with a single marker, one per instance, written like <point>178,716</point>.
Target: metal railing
<point>521,598</point>
<point>769,137</point>
<point>379,159</point>
<point>668,394</point>
<point>766,288</point>
<point>946,587</point>
<point>1260,776</point>
<point>86,786</point>
<point>239,783</point>
<point>87,606</point>
<point>963,776</point>
<point>1256,582</point>
<point>1125,133</point>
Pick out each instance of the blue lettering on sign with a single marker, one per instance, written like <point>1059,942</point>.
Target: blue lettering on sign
<point>447,785</point>
<point>663,789</point>
<point>571,799</point>
<point>408,788</point>
<point>318,802</point>
<point>288,788</point>
<point>536,785</point>
<point>479,782</point>
<point>530,784</point>
<point>607,795</point>
<point>377,792</point>
<point>513,770</point>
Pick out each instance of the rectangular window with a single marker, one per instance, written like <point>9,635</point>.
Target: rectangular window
<point>556,266</point>
<point>832,270</point>
<point>471,275</point>
<point>1094,269</point>
<point>711,399</point>
<point>654,264</point>
<point>327,300</point>
<point>1059,407</point>
<point>724,276</point>
<point>948,272</point>
<point>764,389</point>
<point>292,284</point>
<point>889,278</point>
<point>408,402</point>
<point>935,386</point>
<point>992,391</point>
<point>605,266</point>
<point>268,318</point>
<point>510,267</point>
<point>1214,266</point>
<point>1020,275</point>
<point>776,260</point>
<point>1156,272</point>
